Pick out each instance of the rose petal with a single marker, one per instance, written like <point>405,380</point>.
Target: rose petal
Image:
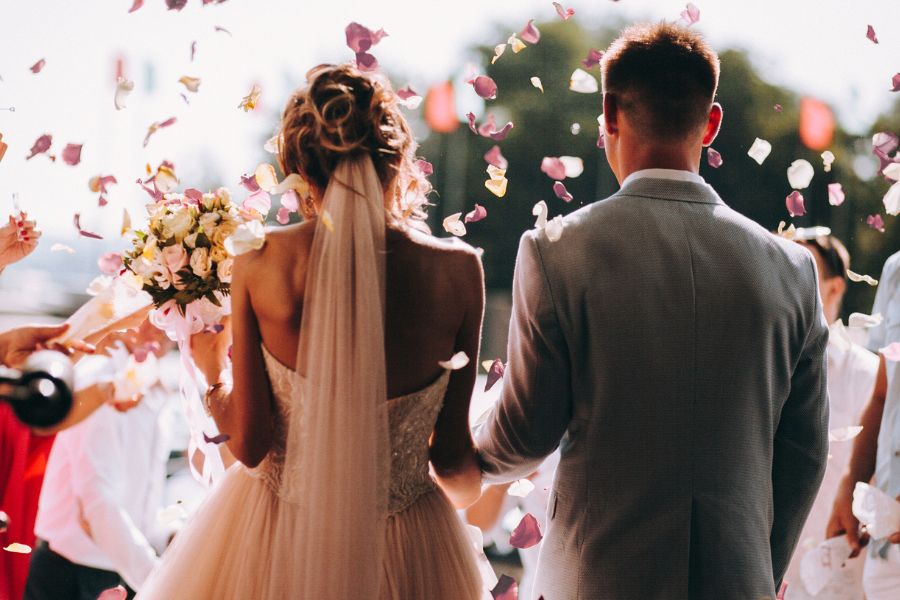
<point>593,58</point>
<point>506,589</point>
<point>759,150</point>
<point>454,226</point>
<point>456,362</point>
<point>827,160</point>
<point>17,548</point>
<point>885,142</point>
<point>895,83</point>
<point>499,136</point>
<point>499,49</point>
<point>110,263</point>
<point>360,38</point>
<point>520,488</point>
<point>530,33</point>
<point>191,83</point>
<point>409,98</point>
<point>194,195</point>
<point>290,201</point>
<point>77,221</point>
<point>71,154</point>
<point>526,534</point>
<point>583,82</point>
<point>540,210</point>
<point>891,352</point>
<point>844,434</point>
<point>250,101</point>
<point>476,215</point>
<point>892,200</point>
<point>41,145</point>
<point>870,33</point>
<point>495,373</point>
<point>713,158</point>
<point>574,165</point>
<point>283,216</point>
<point>62,248</point>
<point>778,108</point>
<point>137,4</point>
<point>561,192</point>
<point>564,13</point>
<point>515,44</point>
<point>176,5</point>
<point>497,186</point>
<point>554,228</point>
<point>892,171</point>
<point>876,222</point>
<point>494,157</point>
<point>856,277</point>
<point>260,201</point>
<point>98,183</point>
<point>38,66</point>
<point>484,87</point>
<point>691,14</point>
<point>154,127</point>
<point>536,82</point>
<point>794,203</point>
<point>800,173</point>
<point>265,176</point>
<point>471,117</point>
<point>218,439</point>
<point>553,167</point>
<point>123,88</point>
<point>835,194</point>
<point>864,321</point>
<point>425,167</point>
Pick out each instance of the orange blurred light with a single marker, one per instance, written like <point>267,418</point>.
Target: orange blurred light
<point>816,124</point>
<point>440,108</point>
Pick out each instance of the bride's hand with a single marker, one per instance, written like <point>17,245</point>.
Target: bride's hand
<point>210,351</point>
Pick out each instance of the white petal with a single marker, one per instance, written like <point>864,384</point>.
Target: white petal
<point>123,88</point>
<point>536,82</point>
<point>800,173</point>
<point>62,248</point>
<point>892,200</point>
<point>554,228</point>
<point>574,165</point>
<point>861,278</point>
<point>456,362</point>
<point>520,488</point>
<point>892,171</point>
<point>827,160</point>
<point>864,321</point>
<point>540,210</point>
<point>583,82</point>
<point>759,150</point>
<point>453,225</point>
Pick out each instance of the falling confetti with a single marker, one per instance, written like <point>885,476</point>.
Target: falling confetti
<point>593,58</point>
<point>540,210</point>
<point>217,439</point>
<point>456,362</point>
<point>454,226</point>
<point>484,87</point>
<point>515,44</point>
<point>99,183</point>
<point>713,158</point>
<point>40,146</point>
<point>521,488</point>
<point>71,154</point>
<point>219,28</point>
<point>561,192</point>
<point>553,167</point>
<point>574,166</point>
<point>799,174</point>
<point>409,98</point>
<point>870,33</point>
<point>250,101</point>
<point>759,150</point>
<point>526,534</point>
<point>794,203</point>
<point>176,5</point>
<point>536,82</point>
<point>495,371</point>
<point>424,166</point>
<point>77,221</point>
<point>360,39</point>
<point>564,13</point>
<point>191,83</point>
<point>17,548</point>
<point>497,181</point>
<point>857,278</point>
<point>691,14</point>
<point>494,157</point>
<point>478,214</point>
<point>530,33</point>
<point>575,128</point>
<point>827,160</point>
<point>778,108</point>
<point>583,82</point>
<point>895,83</point>
<point>892,200</point>
<point>123,88</point>
<point>835,194</point>
<point>876,222</point>
<point>154,127</point>
<point>38,66</point>
<point>137,4</point>
<point>506,589</point>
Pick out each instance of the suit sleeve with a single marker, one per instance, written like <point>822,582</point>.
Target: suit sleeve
<point>801,443</point>
<point>536,404</point>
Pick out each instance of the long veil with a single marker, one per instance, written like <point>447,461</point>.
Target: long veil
<point>337,462</point>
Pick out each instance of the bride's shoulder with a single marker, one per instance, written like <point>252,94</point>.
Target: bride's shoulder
<point>291,242</point>
<point>451,247</point>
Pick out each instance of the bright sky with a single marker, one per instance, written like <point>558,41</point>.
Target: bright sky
<point>815,46</point>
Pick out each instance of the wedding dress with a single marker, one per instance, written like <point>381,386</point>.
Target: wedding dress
<point>343,505</point>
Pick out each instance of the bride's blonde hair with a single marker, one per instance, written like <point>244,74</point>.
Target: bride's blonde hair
<point>343,112</point>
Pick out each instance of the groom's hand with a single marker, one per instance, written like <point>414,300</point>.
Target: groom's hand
<point>843,522</point>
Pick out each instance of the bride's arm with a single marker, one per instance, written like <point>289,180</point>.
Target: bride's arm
<point>241,401</point>
<point>453,453</point>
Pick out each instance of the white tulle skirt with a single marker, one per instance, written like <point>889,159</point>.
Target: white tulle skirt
<point>234,547</point>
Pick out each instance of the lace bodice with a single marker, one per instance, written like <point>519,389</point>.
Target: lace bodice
<point>411,417</point>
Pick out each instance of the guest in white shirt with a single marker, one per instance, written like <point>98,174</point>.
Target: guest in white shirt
<point>97,517</point>
<point>851,380</point>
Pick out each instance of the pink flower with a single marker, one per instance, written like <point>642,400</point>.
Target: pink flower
<point>175,258</point>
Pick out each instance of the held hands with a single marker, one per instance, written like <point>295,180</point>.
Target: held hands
<point>18,239</point>
<point>16,345</point>
<point>210,352</point>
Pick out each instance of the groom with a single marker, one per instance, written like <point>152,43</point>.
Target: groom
<point>674,351</point>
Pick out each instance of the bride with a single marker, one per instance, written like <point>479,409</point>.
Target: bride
<point>332,497</point>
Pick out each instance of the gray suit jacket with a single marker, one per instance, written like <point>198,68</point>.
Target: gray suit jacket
<point>675,352</point>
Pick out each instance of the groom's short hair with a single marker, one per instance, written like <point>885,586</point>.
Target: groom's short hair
<point>664,77</point>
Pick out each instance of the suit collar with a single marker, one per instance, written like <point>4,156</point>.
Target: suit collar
<point>669,189</point>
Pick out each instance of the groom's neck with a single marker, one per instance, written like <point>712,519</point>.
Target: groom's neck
<point>639,155</point>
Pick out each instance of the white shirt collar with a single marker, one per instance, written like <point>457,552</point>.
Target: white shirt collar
<point>673,174</point>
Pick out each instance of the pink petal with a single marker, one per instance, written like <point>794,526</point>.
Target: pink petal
<point>494,157</point>
<point>601,140</point>
<point>154,127</point>
<point>290,200</point>
<point>489,125</point>
<point>249,182</point>
<point>194,195</point>
<point>495,374</point>
<point>176,4</point>
<point>499,136</point>
<point>835,194</point>
<point>561,192</point>
<point>360,38</point>
<point>891,352</point>
<point>553,167</point>
<point>77,221</point>
<point>691,14</point>
<point>471,117</point>
<point>366,61</point>
<point>406,93</point>
<point>564,13</point>
<point>426,167</point>
<point>794,203</point>
<point>118,592</point>
<point>222,437</point>
<point>137,4</point>
<point>895,83</point>
<point>260,201</point>
<point>713,158</point>
<point>484,87</point>
<point>526,534</point>
<point>530,33</point>
<point>885,142</point>
<point>283,216</point>
<point>593,58</point>
<point>870,33</point>
<point>110,263</point>
<point>476,215</point>
<point>506,589</point>
<point>41,145</point>
<point>38,66</point>
<point>778,108</point>
<point>71,154</point>
<point>875,222</point>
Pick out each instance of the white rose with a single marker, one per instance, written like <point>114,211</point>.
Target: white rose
<point>201,264</point>
<point>191,240</point>
<point>224,270</point>
<point>248,236</point>
<point>177,225</point>
<point>218,254</point>
<point>208,221</point>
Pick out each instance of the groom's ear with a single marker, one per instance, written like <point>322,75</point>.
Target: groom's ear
<point>610,114</point>
<point>713,124</point>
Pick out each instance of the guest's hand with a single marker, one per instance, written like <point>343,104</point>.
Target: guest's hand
<point>843,522</point>
<point>18,239</point>
<point>210,351</point>
<point>16,345</point>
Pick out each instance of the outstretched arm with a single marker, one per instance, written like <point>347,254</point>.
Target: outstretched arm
<point>536,406</point>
